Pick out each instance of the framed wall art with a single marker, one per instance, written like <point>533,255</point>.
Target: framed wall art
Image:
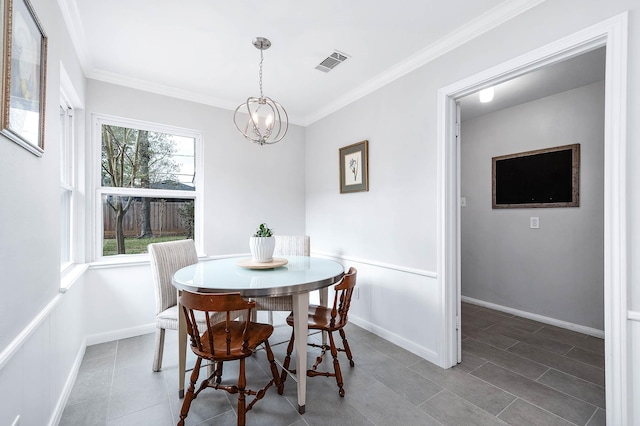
<point>354,167</point>
<point>24,69</point>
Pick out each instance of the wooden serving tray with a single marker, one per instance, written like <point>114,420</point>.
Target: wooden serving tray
<point>249,263</point>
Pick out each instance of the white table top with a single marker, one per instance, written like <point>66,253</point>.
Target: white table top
<point>301,274</point>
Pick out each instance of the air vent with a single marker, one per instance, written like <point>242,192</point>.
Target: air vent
<point>332,61</point>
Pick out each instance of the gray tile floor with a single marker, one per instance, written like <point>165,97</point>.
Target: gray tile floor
<point>514,371</point>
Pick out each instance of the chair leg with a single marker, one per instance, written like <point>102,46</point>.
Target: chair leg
<point>190,396</point>
<point>287,360</point>
<point>242,382</point>
<point>346,347</point>
<point>218,372</point>
<point>271,317</point>
<point>336,364</point>
<point>274,368</point>
<point>157,356</point>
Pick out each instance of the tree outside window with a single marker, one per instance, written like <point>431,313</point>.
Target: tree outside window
<point>147,187</point>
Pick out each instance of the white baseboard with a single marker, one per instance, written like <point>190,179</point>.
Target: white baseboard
<point>540,318</point>
<point>422,352</point>
<point>125,333</point>
<point>68,386</point>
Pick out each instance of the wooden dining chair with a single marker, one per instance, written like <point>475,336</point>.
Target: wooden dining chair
<point>220,342</point>
<point>286,245</point>
<point>328,320</point>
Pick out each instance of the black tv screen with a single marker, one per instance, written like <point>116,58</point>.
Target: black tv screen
<point>542,178</point>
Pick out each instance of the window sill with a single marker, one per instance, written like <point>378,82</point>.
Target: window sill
<point>119,261</point>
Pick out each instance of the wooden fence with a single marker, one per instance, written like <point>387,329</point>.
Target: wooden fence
<point>165,219</point>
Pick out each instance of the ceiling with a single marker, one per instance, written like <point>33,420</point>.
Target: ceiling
<point>565,75</point>
<point>201,50</point>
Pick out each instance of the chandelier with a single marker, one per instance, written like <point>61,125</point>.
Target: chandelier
<point>261,120</point>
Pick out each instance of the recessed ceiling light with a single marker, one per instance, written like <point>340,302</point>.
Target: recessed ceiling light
<point>486,95</point>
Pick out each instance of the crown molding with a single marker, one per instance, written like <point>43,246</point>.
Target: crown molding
<point>71,17</point>
<point>489,20</point>
<point>480,25</point>
<point>160,89</point>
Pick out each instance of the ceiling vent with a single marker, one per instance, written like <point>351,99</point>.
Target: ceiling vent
<point>332,61</point>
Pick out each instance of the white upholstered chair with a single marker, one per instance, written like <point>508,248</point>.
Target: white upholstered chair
<point>286,245</point>
<point>166,259</point>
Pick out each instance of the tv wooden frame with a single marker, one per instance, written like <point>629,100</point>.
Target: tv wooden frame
<point>575,179</point>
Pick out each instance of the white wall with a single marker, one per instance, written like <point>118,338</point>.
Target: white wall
<point>245,184</point>
<point>36,319</point>
<point>391,228</point>
<point>556,271</point>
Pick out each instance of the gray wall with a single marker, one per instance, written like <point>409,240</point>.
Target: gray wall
<point>556,271</point>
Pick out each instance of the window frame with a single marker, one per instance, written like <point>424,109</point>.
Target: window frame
<point>68,183</point>
<point>98,120</point>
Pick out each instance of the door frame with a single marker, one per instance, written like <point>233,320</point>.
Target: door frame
<point>611,33</point>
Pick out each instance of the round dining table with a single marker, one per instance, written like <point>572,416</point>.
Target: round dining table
<point>288,275</point>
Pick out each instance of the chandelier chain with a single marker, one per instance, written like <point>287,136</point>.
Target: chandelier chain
<point>260,73</point>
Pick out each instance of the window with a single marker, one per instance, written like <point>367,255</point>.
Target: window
<point>147,188</point>
<point>67,184</point>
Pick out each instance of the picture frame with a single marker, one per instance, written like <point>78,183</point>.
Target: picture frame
<point>354,167</point>
<point>24,70</point>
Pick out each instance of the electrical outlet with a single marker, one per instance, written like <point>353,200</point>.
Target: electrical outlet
<point>534,222</point>
<point>356,293</point>
<point>463,202</point>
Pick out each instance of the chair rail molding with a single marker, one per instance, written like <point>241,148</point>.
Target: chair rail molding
<point>375,263</point>
<point>15,345</point>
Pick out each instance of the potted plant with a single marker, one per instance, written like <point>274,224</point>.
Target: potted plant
<point>262,244</point>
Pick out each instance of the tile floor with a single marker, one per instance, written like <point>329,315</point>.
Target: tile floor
<point>514,371</point>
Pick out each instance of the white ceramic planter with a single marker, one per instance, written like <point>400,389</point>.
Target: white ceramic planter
<point>262,248</point>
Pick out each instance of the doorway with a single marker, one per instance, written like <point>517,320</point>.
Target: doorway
<point>550,270</point>
<point>612,35</point>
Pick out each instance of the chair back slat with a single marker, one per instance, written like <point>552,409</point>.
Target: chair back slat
<point>191,325</point>
<point>342,300</point>
<point>292,245</point>
<point>224,307</point>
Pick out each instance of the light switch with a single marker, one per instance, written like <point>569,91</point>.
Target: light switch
<point>463,202</point>
<point>534,222</point>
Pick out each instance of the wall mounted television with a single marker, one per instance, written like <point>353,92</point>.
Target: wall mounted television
<point>547,177</point>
